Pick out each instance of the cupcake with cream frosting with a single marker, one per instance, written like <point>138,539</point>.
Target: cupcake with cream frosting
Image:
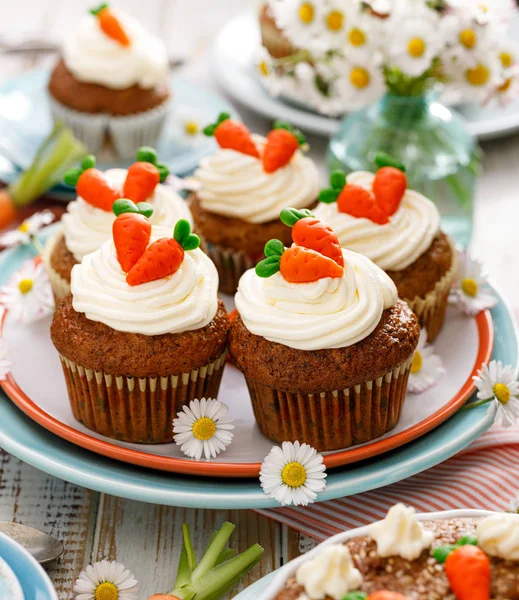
<point>87,224</point>
<point>322,339</point>
<point>399,230</point>
<point>243,188</point>
<point>112,79</point>
<point>143,332</point>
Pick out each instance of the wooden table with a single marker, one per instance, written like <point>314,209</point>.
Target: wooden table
<point>145,537</point>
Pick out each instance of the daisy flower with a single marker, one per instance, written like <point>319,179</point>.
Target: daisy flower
<point>25,232</point>
<point>468,38</point>
<point>336,18</point>
<point>5,363</point>
<point>475,82</point>
<point>28,295</point>
<point>363,36</point>
<point>498,384</point>
<point>293,474</point>
<point>361,83</point>
<point>106,580</point>
<point>267,71</point>
<point>300,20</point>
<point>471,292</point>
<point>202,428</point>
<point>426,367</point>
<point>413,40</point>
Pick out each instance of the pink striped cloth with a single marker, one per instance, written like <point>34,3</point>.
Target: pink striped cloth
<point>484,476</point>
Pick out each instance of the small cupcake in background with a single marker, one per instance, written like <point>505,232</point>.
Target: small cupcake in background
<point>243,188</point>
<point>377,215</point>
<point>322,339</point>
<point>111,81</point>
<point>143,332</point>
<point>87,224</point>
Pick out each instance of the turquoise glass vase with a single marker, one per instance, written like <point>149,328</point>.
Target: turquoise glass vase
<point>441,157</point>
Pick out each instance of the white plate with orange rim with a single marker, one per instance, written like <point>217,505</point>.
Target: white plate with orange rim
<point>464,345</point>
<point>233,65</point>
<point>268,587</point>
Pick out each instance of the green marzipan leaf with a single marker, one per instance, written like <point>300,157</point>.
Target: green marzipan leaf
<point>71,177</point>
<point>182,231</point>
<point>123,205</point>
<point>290,216</point>
<point>268,267</point>
<point>442,552</point>
<point>355,596</point>
<point>96,11</point>
<point>145,209</point>
<point>192,242</point>
<point>338,180</point>
<point>274,248</point>
<point>89,162</point>
<point>147,154</point>
<point>163,171</point>
<point>328,196</point>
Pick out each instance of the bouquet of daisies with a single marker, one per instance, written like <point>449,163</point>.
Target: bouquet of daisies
<point>341,55</point>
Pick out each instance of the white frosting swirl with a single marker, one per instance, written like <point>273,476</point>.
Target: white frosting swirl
<point>328,313</point>
<point>395,245</point>
<point>87,228</point>
<point>93,57</point>
<point>401,534</point>
<point>235,185</point>
<point>498,535</point>
<point>331,573</point>
<point>184,301</point>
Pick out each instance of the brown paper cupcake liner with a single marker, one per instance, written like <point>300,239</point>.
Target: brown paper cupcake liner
<point>431,309</point>
<point>139,410</point>
<point>60,286</point>
<point>332,420</point>
<point>230,264</point>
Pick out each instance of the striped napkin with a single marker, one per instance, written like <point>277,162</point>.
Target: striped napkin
<point>484,476</point>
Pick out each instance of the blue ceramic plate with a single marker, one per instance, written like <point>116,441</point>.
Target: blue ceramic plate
<point>35,582</point>
<point>25,439</point>
<point>234,68</point>
<point>24,104</point>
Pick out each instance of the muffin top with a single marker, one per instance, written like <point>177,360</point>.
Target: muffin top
<point>146,279</point>
<point>253,178</point>
<point>87,224</point>
<point>111,48</point>
<point>453,558</point>
<point>313,295</point>
<point>377,216</point>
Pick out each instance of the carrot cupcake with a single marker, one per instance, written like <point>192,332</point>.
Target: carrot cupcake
<point>143,332</point>
<point>244,185</point>
<point>403,558</point>
<point>112,80</point>
<point>322,339</point>
<point>87,224</point>
<point>399,230</point>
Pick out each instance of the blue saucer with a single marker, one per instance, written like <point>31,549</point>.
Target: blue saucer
<point>35,583</point>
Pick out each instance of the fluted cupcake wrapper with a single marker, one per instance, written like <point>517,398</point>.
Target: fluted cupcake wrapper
<point>127,132</point>
<point>230,264</point>
<point>60,286</point>
<point>431,309</point>
<point>139,410</point>
<point>332,420</point>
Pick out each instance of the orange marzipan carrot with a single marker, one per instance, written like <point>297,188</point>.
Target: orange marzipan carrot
<point>111,25</point>
<point>7,209</point>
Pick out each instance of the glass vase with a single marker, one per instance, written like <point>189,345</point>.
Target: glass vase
<point>441,157</point>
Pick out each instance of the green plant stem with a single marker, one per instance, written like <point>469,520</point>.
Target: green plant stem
<point>213,551</point>
<point>37,245</point>
<point>55,155</point>
<point>476,404</point>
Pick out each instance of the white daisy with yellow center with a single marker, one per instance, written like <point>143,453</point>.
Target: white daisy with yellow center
<point>471,292</point>
<point>26,231</point>
<point>426,368</point>
<point>300,20</point>
<point>413,40</point>
<point>266,71</point>
<point>28,294</point>
<point>362,83</point>
<point>293,474</point>
<point>106,580</point>
<point>363,36</point>
<point>202,428</point>
<point>5,363</point>
<point>467,38</point>
<point>498,384</point>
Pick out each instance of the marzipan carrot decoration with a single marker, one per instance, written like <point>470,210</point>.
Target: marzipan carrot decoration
<point>110,24</point>
<point>58,152</point>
